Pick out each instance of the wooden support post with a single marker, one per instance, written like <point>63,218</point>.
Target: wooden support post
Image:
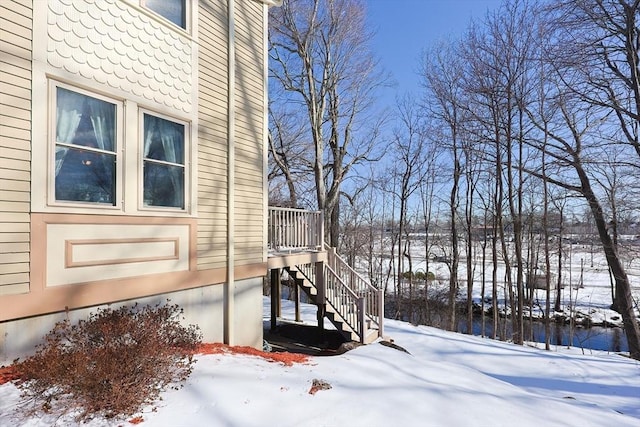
<point>334,258</point>
<point>321,232</point>
<point>362,317</point>
<point>296,295</point>
<point>380,313</point>
<point>279,294</point>
<point>275,297</point>
<point>321,297</point>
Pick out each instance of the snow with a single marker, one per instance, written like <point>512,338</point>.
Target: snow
<point>447,379</point>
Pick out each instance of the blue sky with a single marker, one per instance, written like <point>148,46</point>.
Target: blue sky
<point>405,27</point>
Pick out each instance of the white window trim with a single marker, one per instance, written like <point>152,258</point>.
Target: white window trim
<point>129,178</point>
<point>188,197</point>
<point>51,150</point>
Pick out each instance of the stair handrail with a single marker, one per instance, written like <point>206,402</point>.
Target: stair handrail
<point>342,282</point>
<point>374,297</point>
<point>333,256</point>
<point>336,296</point>
<point>347,304</point>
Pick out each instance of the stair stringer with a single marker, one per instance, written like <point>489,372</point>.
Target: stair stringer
<point>332,313</point>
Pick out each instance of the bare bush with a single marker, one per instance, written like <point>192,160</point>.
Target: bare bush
<point>111,364</point>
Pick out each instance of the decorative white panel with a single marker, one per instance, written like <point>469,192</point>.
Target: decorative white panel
<point>80,253</point>
<point>113,43</point>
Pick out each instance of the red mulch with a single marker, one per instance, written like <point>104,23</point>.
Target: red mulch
<point>285,358</point>
<point>10,373</point>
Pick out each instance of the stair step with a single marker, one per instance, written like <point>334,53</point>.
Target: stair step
<point>335,310</point>
<point>371,336</point>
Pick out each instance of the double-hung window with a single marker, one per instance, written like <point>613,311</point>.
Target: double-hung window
<point>86,144</point>
<point>163,162</point>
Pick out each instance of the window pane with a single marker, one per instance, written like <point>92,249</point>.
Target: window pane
<point>173,10</point>
<point>163,185</point>
<point>163,140</point>
<point>85,176</point>
<point>83,120</point>
<point>85,128</point>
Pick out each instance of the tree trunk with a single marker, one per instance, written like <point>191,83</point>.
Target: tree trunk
<point>453,277</point>
<point>558,306</point>
<point>623,286</point>
<point>469,219</point>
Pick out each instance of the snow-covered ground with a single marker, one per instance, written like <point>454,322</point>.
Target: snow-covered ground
<point>447,380</point>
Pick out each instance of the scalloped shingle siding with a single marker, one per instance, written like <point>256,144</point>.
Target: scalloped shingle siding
<point>115,44</point>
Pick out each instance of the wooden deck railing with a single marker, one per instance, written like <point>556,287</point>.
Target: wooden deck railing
<point>294,229</point>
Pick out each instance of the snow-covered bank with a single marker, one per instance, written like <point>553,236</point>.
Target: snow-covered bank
<point>447,380</point>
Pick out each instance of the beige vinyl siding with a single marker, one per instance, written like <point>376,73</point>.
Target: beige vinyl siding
<point>249,120</point>
<point>212,134</point>
<point>15,144</point>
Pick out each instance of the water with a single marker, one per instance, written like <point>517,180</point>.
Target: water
<point>595,337</point>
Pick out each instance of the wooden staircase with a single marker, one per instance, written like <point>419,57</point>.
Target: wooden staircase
<point>349,301</point>
<point>354,312</point>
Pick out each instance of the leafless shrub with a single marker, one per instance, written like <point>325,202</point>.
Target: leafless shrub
<point>111,364</point>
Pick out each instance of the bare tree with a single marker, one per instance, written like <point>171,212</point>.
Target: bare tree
<point>428,205</point>
<point>355,239</point>
<point>411,149</point>
<point>615,178</point>
<point>596,58</point>
<point>483,233</point>
<point>569,148</point>
<point>321,61</point>
<point>472,165</point>
<point>547,250</point>
<point>288,166</point>
<point>372,211</point>
<point>443,72</point>
<point>597,53</point>
<point>491,106</point>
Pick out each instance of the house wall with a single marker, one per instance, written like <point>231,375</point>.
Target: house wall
<point>84,257</point>
<point>250,116</point>
<point>15,144</point>
<point>248,312</point>
<point>212,135</point>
